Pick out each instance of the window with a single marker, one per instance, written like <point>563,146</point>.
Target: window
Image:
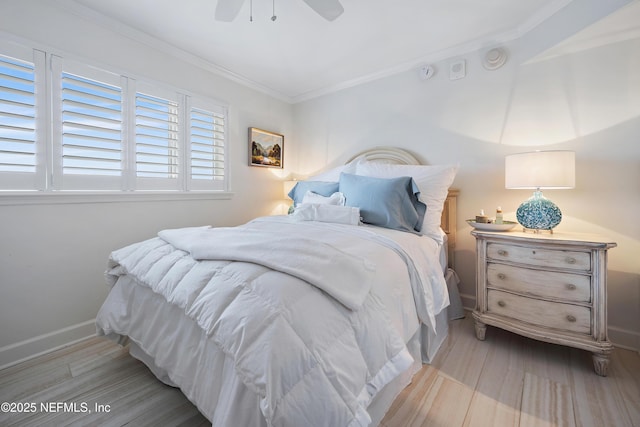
<point>156,137</point>
<point>207,141</point>
<point>91,127</point>
<point>159,145</point>
<point>107,131</point>
<point>18,112</point>
<point>21,120</point>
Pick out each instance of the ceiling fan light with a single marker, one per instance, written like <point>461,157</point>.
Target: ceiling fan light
<point>227,10</point>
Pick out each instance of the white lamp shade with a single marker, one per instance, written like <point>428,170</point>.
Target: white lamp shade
<point>286,188</point>
<point>541,169</point>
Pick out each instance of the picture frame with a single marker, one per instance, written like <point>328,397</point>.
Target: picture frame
<point>266,149</point>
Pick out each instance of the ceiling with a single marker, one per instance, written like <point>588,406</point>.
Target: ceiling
<point>301,55</point>
<point>621,25</point>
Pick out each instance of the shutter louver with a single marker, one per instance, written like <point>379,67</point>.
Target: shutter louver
<point>207,145</point>
<point>157,147</point>
<point>70,127</point>
<point>91,127</point>
<point>17,116</point>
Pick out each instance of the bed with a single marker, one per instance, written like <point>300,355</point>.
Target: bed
<point>317,318</point>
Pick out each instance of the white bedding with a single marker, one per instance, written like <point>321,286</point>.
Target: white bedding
<point>322,264</point>
<point>318,349</point>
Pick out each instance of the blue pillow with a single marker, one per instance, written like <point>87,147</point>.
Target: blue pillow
<point>386,202</point>
<point>322,188</point>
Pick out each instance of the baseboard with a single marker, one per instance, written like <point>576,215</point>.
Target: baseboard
<point>624,338</point>
<point>468,301</point>
<point>24,350</point>
<point>19,352</point>
<point>619,337</point>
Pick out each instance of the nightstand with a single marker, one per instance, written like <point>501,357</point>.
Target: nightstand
<point>549,287</point>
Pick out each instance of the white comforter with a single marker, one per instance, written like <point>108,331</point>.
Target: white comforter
<point>316,342</point>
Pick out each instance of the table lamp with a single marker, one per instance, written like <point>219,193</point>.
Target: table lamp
<point>540,170</point>
<point>287,186</point>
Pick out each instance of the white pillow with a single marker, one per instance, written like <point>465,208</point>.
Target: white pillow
<point>327,213</point>
<point>433,182</point>
<point>336,198</point>
<point>333,175</point>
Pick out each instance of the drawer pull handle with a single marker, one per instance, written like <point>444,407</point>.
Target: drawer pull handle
<point>571,260</point>
<point>502,252</point>
<point>571,318</point>
<point>502,303</point>
<point>571,287</point>
<point>502,276</point>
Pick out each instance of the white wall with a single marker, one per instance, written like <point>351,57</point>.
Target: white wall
<point>587,101</point>
<point>53,256</point>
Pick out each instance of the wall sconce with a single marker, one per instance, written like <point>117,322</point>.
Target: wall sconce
<point>540,170</point>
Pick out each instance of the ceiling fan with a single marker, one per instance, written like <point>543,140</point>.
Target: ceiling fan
<point>227,10</point>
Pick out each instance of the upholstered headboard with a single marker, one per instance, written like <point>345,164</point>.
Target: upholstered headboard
<point>399,156</point>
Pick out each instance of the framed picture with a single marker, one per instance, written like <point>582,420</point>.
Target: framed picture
<point>266,148</point>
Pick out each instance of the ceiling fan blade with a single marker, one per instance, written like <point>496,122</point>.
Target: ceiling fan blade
<point>227,10</point>
<point>328,9</point>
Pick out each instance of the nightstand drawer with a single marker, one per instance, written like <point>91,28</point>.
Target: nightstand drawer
<point>546,284</point>
<point>547,258</point>
<point>547,314</point>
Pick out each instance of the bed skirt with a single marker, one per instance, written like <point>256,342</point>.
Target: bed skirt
<point>184,357</point>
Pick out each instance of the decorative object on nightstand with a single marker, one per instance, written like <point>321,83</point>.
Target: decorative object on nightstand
<point>540,170</point>
<point>492,226</point>
<point>552,288</point>
<point>499,215</point>
<point>482,218</point>
<point>483,222</point>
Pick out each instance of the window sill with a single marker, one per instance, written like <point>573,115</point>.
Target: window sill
<point>8,198</point>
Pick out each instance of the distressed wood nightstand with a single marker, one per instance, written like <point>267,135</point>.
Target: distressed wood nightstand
<point>549,287</point>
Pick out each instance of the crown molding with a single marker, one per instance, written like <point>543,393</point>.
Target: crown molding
<point>136,35</point>
<point>455,51</point>
<point>542,15</point>
<point>585,15</point>
<point>612,33</point>
<point>441,55</point>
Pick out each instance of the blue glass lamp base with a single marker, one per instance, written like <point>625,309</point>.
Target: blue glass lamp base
<point>539,213</point>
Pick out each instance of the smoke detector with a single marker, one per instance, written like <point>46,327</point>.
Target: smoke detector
<point>494,58</point>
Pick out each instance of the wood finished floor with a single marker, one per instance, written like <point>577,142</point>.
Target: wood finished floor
<point>506,380</point>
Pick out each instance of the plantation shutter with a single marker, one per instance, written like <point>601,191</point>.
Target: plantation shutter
<point>157,148</point>
<point>91,127</point>
<point>88,148</point>
<point>207,135</point>
<point>21,160</point>
<point>68,125</point>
